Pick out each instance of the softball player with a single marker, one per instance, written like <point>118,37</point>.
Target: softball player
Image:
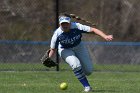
<point>67,39</point>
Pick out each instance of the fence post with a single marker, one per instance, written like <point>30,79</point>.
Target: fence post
<point>57,23</point>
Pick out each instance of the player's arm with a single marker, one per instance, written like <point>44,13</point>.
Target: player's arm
<point>53,45</point>
<point>95,30</point>
<point>46,59</point>
<point>101,33</point>
<point>52,52</point>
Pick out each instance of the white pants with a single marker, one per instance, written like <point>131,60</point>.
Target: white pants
<point>77,57</point>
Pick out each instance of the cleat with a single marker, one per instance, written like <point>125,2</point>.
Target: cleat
<point>88,89</point>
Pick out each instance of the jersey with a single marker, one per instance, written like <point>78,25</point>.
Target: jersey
<point>61,39</point>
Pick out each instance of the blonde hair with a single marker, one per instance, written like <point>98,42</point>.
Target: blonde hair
<point>74,16</point>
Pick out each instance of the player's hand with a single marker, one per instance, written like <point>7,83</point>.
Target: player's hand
<point>108,37</point>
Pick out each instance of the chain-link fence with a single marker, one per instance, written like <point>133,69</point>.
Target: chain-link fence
<point>26,27</point>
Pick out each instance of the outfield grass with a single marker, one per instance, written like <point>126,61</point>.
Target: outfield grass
<point>124,81</point>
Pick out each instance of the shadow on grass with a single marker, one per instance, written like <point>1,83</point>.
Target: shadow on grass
<point>106,91</point>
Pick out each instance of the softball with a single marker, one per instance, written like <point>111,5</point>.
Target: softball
<point>63,86</point>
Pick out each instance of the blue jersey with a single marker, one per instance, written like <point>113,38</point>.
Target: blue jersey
<point>69,39</point>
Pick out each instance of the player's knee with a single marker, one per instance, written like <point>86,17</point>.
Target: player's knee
<point>74,62</point>
<point>75,66</point>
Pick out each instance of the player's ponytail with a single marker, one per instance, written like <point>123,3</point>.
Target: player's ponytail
<point>74,16</point>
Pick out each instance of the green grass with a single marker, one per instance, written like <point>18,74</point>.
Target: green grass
<point>41,81</point>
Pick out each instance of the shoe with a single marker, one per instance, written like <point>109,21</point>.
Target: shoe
<point>88,89</point>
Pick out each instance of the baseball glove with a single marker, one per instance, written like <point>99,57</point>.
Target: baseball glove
<point>48,62</point>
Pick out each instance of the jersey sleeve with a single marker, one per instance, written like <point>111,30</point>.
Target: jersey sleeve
<point>54,41</point>
<point>82,27</point>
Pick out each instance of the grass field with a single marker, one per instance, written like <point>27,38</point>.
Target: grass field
<point>115,80</point>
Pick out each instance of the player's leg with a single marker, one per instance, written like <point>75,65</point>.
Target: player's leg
<point>82,53</point>
<point>69,56</point>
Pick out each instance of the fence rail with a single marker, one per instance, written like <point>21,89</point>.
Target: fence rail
<point>27,53</point>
